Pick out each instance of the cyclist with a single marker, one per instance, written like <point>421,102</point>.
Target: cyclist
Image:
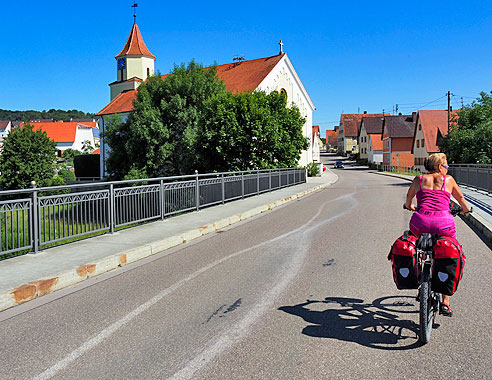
<point>432,215</point>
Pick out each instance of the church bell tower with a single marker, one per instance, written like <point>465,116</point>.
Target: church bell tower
<point>134,64</point>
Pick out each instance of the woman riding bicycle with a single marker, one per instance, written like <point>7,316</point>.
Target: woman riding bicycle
<point>432,214</point>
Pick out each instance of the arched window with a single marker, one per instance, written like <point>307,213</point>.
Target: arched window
<point>283,92</point>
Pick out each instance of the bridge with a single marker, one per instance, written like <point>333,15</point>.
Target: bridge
<point>291,284</point>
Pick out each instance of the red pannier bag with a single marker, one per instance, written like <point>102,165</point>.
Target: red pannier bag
<point>449,262</point>
<point>403,257</point>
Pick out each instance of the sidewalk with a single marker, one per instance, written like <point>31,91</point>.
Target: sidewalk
<point>30,276</point>
<point>481,201</point>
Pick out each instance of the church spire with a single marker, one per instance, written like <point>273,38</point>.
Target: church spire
<point>135,45</point>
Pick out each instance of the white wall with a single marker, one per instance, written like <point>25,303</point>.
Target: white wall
<point>283,76</point>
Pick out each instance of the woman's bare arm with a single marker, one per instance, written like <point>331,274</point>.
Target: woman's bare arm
<point>458,195</point>
<point>411,193</point>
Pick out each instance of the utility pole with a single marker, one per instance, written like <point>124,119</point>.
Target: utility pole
<point>462,105</point>
<point>397,109</point>
<point>449,108</point>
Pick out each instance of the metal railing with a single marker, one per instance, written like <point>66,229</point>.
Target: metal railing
<point>408,170</point>
<point>34,218</point>
<point>478,176</point>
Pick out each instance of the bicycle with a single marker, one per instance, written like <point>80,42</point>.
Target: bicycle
<point>430,301</point>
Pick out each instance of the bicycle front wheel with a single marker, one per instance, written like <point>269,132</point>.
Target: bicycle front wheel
<point>426,308</point>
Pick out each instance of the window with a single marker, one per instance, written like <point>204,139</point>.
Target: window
<point>418,143</point>
<point>422,143</point>
<point>283,92</point>
<point>420,127</point>
<point>148,72</point>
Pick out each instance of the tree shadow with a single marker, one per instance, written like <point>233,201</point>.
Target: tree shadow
<point>375,325</point>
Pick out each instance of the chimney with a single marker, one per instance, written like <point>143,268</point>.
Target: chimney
<point>365,112</point>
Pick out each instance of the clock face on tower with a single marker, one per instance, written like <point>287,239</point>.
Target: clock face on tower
<point>121,63</point>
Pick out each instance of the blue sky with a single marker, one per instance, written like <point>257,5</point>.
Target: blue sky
<point>350,56</point>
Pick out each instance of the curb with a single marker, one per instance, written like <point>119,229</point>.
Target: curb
<point>35,289</point>
<point>476,220</point>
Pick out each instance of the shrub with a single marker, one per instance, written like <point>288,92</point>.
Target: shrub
<point>67,175</point>
<point>312,169</point>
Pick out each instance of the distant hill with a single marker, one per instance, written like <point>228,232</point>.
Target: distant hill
<point>37,115</point>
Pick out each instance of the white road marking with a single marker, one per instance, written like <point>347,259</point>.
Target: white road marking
<point>226,340</point>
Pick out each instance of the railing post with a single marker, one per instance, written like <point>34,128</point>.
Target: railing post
<point>35,225</point>
<point>242,185</point>
<point>270,179</point>
<point>258,182</point>
<point>111,209</point>
<point>161,198</point>
<point>223,188</point>
<point>197,191</point>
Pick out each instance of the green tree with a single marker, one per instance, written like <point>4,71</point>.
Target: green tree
<point>250,131</point>
<point>159,138</point>
<point>470,137</point>
<point>87,147</point>
<point>27,155</point>
<point>69,154</point>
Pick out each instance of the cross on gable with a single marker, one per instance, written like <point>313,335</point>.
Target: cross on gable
<point>281,47</point>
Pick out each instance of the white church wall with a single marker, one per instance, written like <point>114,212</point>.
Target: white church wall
<point>283,76</point>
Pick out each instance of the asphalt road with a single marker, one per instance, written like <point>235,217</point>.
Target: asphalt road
<point>302,292</point>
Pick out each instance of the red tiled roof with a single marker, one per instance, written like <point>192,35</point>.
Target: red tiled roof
<point>4,124</point>
<point>238,77</point>
<point>316,129</point>
<point>246,75</point>
<point>135,45</point>
<point>332,137</point>
<point>351,121</point>
<point>97,151</point>
<point>433,121</point>
<point>58,131</point>
<point>122,103</point>
<point>377,143</point>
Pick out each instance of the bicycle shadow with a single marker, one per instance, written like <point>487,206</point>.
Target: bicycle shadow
<point>375,325</point>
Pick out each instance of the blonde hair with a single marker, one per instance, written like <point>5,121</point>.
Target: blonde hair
<point>432,163</point>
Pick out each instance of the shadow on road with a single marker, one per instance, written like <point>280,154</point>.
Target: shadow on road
<point>377,324</point>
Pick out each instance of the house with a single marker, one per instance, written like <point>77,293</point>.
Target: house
<point>349,130</point>
<point>67,135</point>
<point>135,63</point>
<point>370,144</point>
<point>332,139</point>
<point>316,144</point>
<point>430,126</point>
<point>397,138</point>
<point>5,128</point>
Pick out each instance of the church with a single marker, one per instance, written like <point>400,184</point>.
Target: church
<point>135,63</point>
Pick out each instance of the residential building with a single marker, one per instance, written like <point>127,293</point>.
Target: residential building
<point>370,145</point>
<point>332,139</point>
<point>349,130</point>
<point>397,137</point>
<point>316,143</point>
<point>430,126</point>
<point>5,128</point>
<point>68,135</point>
<point>369,125</point>
<point>135,64</point>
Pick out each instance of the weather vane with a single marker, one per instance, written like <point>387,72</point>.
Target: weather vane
<point>134,6</point>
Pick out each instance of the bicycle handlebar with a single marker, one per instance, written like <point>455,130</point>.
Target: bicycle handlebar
<point>453,208</point>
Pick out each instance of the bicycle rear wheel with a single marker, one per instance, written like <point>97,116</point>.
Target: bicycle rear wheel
<point>426,308</point>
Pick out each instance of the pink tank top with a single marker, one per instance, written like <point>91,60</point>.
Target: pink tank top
<point>433,200</point>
